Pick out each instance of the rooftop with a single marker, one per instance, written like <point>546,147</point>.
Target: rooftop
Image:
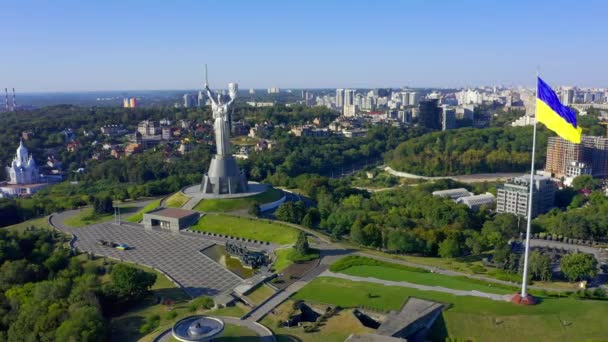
<point>173,212</point>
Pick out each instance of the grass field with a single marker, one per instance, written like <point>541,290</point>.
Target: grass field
<point>260,294</point>
<point>473,318</point>
<point>336,329</point>
<point>393,272</point>
<point>86,217</point>
<point>222,205</point>
<point>282,261</point>
<point>41,222</point>
<point>148,208</point>
<point>176,200</point>
<point>248,228</point>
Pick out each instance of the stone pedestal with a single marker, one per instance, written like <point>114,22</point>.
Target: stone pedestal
<point>527,300</point>
<point>223,177</point>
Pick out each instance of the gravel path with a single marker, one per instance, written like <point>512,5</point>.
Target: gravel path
<point>492,296</point>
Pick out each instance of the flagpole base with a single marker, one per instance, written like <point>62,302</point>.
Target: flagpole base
<point>527,300</point>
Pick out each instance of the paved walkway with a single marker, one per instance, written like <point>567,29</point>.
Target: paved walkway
<point>176,254</point>
<point>479,177</point>
<point>264,333</point>
<point>492,296</point>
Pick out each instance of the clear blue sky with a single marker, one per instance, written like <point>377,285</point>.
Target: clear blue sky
<point>127,44</point>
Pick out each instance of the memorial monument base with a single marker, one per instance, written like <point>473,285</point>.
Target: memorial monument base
<point>223,177</point>
<point>527,300</point>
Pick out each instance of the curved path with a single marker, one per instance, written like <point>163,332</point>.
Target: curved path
<point>479,177</point>
<point>492,296</point>
<point>264,333</point>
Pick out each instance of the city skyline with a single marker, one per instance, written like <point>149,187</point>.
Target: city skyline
<point>143,46</point>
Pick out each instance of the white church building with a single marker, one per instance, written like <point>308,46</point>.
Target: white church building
<point>24,175</point>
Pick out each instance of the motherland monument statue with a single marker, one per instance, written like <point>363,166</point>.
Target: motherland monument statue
<point>224,176</point>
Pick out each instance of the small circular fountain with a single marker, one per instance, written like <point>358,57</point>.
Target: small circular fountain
<point>198,328</point>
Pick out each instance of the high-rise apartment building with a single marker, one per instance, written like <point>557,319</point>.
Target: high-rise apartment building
<point>448,118</point>
<point>339,98</point>
<point>595,154</point>
<point>512,197</point>
<point>349,97</point>
<point>591,155</point>
<point>429,114</point>
<point>560,154</point>
<point>190,101</point>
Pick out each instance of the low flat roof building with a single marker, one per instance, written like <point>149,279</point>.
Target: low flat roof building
<point>170,218</point>
<point>476,201</point>
<point>453,193</point>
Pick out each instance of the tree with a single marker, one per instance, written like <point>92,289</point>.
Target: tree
<point>103,205</point>
<point>307,221</point>
<point>356,233</point>
<point>85,324</point>
<point>500,229</point>
<point>586,182</point>
<point>130,283</point>
<point>254,209</point>
<point>302,246</point>
<point>449,248</point>
<point>579,266</point>
<point>539,266</point>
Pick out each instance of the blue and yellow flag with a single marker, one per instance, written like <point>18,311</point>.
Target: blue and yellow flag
<point>557,117</point>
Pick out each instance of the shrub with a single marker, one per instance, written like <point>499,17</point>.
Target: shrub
<point>202,302</point>
<point>170,315</point>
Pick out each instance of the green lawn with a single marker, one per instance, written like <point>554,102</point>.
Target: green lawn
<point>86,217</point>
<point>249,228</point>
<point>282,261</point>
<point>473,318</point>
<point>431,279</point>
<point>177,200</point>
<point>41,222</point>
<point>148,208</point>
<point>222,205</point>
<point>260,294</point>
<point>287,256</point>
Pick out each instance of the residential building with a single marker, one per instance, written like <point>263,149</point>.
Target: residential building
<point>133,148</point>
<point>148,128</point>
<point>575,169</point>
<point>429,114</point>
<point>190,100</point>
<point>560,154</point>
<point>309,131</point>
<point>512,197</point>
<point>339,98</point>
<point>448,118</point>
<point>129,102</point>
<point>595,154</point>
<point>166,133</point>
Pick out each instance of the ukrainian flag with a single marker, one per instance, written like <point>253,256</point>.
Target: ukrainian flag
<point>557,117</point>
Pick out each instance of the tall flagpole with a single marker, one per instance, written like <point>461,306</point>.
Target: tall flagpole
<point>524,284</point>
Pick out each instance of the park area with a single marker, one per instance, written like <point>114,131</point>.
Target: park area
<point>248,228</point>
<point>472,318</point>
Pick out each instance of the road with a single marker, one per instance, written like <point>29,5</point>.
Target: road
<point>479,177</point>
